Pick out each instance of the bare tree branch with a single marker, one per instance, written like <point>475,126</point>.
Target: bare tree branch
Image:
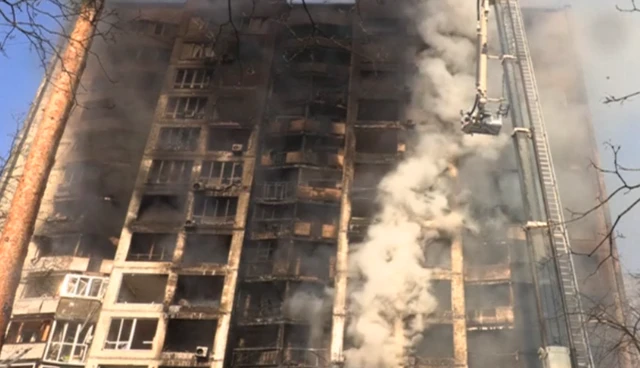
<point>633,8</point>
<point>621,99</point>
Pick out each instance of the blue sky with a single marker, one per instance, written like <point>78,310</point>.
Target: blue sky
<point>605,41</point>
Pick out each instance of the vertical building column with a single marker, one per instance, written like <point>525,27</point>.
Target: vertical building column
<point>235,253</point>
<point>458,303</point>
<point>342,263</point>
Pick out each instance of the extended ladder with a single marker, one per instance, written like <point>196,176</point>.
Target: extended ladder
<point>578,338</point>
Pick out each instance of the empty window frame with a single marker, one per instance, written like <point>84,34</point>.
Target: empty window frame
<point>205,291</point>
<point>235,109</point>
<point>131,334</point>
<point>74,245</point>
<point>193,50</point>
<point>69,342</point>
<point>170,172</point>
<point>487,296</point>
<point>142,288</point>
<point>178,139</point>
<point>206,248</point>
<point>42,286</point>
<point>378,110</point>
<point>186,107</point>
<point>186,335</point>
<point>192,78</point>
<point>67,210</point>
<point>28,331</point>
<point>218,209</point>
<point>221,172</point>
<point>160,208</point>
<point>151,247</point>
<point>78,173</point>
<point>81,286</point>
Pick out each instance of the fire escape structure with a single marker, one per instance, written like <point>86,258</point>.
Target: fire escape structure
<point>559,304</point>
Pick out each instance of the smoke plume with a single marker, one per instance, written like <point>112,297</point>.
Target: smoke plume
<point>419,201</point>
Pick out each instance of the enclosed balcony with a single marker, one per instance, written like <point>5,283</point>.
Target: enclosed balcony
<point>307,220</point>
<point>287,260</point>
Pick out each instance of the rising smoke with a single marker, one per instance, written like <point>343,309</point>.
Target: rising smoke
<point>420,201</point>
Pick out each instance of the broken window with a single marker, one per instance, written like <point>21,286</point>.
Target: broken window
<point>170,172</point>
<point>266,212</point>
<point>28,331</point>
<point>318,54</point>
<point>67,210</point>
<point>256,337</point>
<point>81,286</point>
<point>186,108</point>
<point>142,288</point>
<point>264,301</point>
<point>486,296</point>
<point>378,110</point>
<point>437,342</point>
<point>69,342</point>
<point>441,289</point>
<point>321,178</point>
<point>192,50</point>
<point>160,207</point>
<point>74,245</point>
<point>437,253</point>
<point>498,342</point>
<point>79,174</point>
<point>234,109</point>
<point>228,140</point>
<point>216,209</point>
<point>480,253</point>
<point>131,334</point>
<point>203,291</point>
<point>152,247</point>
<point>206,248</point>
<point>221,172</point>
<point>42,286</point>
<point>376,141</point>
<point>193,78</point>
<point>186,335</point>
<point>178,139</point>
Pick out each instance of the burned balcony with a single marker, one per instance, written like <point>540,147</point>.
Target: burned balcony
<point>317,60</point>
<point>219,176</point>
<point>437,253</point>
<point>213,210</point>
<point>493,348</point>
<point>315,221</point>
<point>436,346</point>
<point>489,304</point>
<point>75,245</point>
<point>228,140</point>
<point>149,247</point>
<point>377,112</point>
<point>300,260</point>
<point>199,292</point>
<point>234,110</point>
<point>382,84</point>
<point>189,338</point>
<point>486,260</point>
<point>378,145</point>
<point>441,289</point>
<point>28,331</point>
<point>303,150</point>
<point>280,191</point>
<point>42,285</point>
<point>330,91</point>
<point>206,249</point>
<point>260,346</point>
<point>79,177</point>
<point>169,173</point>
<point>178,139</point>
<point>161,208</point>
<point>142,289</point>
<point>301,125</point>
<point>67,211</point>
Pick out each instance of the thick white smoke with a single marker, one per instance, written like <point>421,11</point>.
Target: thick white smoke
<point>391,295</point>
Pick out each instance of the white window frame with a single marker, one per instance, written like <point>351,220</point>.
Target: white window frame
<point>193,78</point>
<point>78,291</point>
<point>121,343</point>
<point>67,328</point>
<point>221,179</point>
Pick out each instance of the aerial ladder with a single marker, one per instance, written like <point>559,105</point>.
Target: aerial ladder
<point>561,315</point>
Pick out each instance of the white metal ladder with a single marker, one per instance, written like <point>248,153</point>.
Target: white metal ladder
<point>579,339</point>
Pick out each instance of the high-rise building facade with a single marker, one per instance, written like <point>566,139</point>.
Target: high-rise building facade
<point>217,169</point>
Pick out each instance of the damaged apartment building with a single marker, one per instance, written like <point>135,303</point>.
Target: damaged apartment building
<point>210,182</point>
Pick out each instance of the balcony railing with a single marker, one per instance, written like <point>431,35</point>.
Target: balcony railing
<point>299,357</point>
<point>284,268</point>
<point>283,191</point>
<point>287,227</point>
